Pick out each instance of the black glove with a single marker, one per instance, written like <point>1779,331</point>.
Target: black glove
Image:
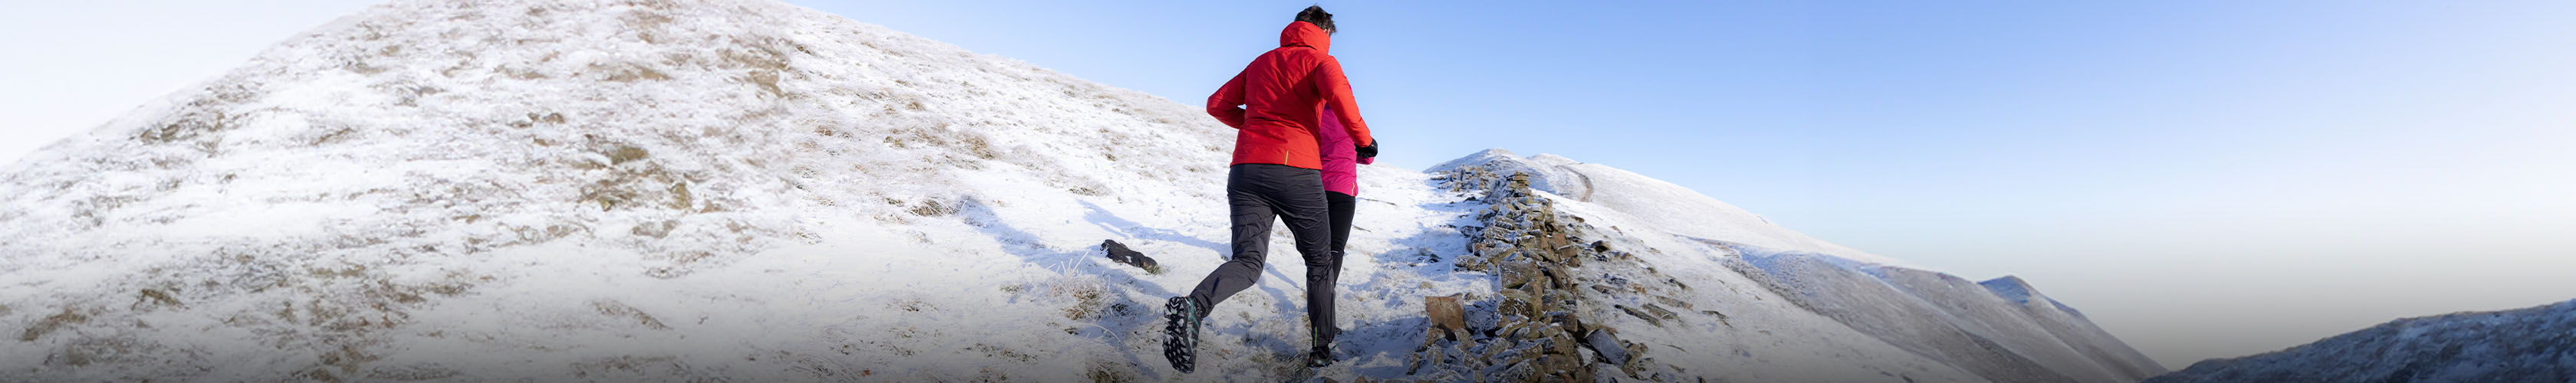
<point>1369,151</point>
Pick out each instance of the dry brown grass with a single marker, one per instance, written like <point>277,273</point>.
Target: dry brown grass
<point>620,309</point>
<point>50,323</point>
<point>628,72</point>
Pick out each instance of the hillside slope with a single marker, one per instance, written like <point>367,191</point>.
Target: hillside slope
<point>1993,333</point>
<point>744,190</point>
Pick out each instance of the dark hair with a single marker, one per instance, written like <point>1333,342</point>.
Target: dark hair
<point>1314,14</point>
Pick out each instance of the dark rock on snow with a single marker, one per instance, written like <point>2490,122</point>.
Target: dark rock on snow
<point>1120,253</point>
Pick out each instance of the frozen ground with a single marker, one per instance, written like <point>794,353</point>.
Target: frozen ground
<point>738,190</point>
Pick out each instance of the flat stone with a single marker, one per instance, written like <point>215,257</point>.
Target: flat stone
<point>1516,302</point>
<point>1559,277</point>
<point>1515,330</point>
<point>1669,301</point>
<point>1558,300</point>
<point>1632,311</point>
<point>1606,346</point>
<point>1517,274</point>
<point>1574,322</point>
<point>1518,372</point>
<point>1660,312</point>
<point>1564,345</point>
<point>1445,312</point>
<point>1471,262</point>
<point>1548,330</point>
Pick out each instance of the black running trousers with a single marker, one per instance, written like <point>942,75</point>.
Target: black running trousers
<point>1257,194</point>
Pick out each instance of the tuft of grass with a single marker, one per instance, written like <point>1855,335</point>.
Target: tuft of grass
<point>680,198</point>
<point>51,323</point>
<point>1087,191</point>
<point>768,81</point>
<point>657,230</point>
<point>630,72</point>
<point>624,154</point>
<point>1106,372</point>
<point>188,126</point>
<point>932,208</point>
<point>156,296</point>
<point>620,309</point>
<point>519,73</point>
<point>334,136</point>
<point>1089,301</point>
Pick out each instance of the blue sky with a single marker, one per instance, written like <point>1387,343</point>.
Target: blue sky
<point>2203,178</point>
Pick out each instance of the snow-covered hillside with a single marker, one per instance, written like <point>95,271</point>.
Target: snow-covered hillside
<point>1993,331</point>
<point>2536,344</point>
<point>1680,210</point>
<point>744,190</point>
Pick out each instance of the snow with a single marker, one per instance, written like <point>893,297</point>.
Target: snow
<point>752,191</point>
<point>1764,336</point>
<point>1680,210</point>
<point>1963,325</point>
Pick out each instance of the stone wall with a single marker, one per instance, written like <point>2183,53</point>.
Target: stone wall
<point>1537,326</point>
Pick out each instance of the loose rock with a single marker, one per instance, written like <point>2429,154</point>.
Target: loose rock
<point>1120,253</point>
<point>1447,316</point>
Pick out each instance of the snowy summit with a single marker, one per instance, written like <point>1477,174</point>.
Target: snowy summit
<point>745,190</point>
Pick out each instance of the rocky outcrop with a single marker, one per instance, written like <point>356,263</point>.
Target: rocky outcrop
<point>1538,325</point>
<point>1731,284</point>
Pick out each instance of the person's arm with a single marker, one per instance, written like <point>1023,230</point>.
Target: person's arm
<point>1337,98</point>
<point>1227,103</point>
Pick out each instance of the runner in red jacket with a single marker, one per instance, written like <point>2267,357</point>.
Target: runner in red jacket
<point>1276,104</point>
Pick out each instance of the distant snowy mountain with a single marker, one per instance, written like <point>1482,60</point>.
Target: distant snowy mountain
<point>744,190</point>
<point>2535,344</point>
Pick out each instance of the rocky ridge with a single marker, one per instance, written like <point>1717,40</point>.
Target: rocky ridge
<point>1543,322</point>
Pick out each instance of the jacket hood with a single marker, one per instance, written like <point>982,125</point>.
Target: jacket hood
<point>1300,33</point>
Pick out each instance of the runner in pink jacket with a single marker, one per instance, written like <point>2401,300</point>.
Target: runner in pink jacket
<point>1341,187</point>
<point>1341,158</point>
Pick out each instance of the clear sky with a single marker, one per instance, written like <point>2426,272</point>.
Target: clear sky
<point>2203,178</point>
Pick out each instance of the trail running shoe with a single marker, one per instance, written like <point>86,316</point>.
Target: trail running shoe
<point>1181,334</point>
<point>1319,358</point>
<point>1322,355</point>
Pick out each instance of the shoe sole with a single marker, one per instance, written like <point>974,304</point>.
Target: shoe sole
<point>1180,342</point>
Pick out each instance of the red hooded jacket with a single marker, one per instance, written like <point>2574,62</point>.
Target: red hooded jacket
<point>1283,94</point>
